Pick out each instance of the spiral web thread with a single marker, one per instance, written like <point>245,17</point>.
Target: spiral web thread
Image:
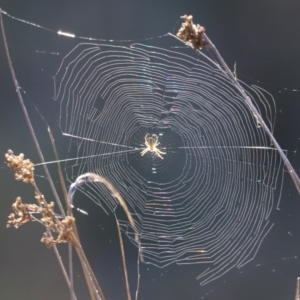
<point>209,200</point>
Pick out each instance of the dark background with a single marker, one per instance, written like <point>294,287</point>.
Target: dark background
<point>261,36</point>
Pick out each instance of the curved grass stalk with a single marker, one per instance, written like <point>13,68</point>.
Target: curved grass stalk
<point>90,285</point>
<point>95,291</point>
<point>92,177</point>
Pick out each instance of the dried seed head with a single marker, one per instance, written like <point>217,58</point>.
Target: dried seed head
<point>20,216</point>
<point>189,32</point>
<point>23,168</point>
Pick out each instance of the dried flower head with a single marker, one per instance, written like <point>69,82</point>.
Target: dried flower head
<point>23,167</point>
<point>22,213</point>
<point>189,32</point>
<point>63,229</point>
<point>57,231</point>
<point>20,216</point>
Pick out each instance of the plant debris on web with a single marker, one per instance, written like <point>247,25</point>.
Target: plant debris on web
<point>192,33</point>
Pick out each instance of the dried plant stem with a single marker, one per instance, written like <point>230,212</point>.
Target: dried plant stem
<point>90,285</point>
<point>91,177</point>
<point>256,113</point>
<point>17,87</point>
<point>187,34</point>
<point>297,294</point>
<point>123,260</point>
<point>78,247</point>
<point>84,262</point>
<point>61,178</point>
<point>70,285</point>
<point>69,210</point>
<point>63,230</point>
<point>139,275</point>
<point>70,258</point>
<point>36,143</point>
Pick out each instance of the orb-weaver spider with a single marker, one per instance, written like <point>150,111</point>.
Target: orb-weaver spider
<point>151,142</point>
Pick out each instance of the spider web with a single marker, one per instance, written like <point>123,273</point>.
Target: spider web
<point>209,200</point>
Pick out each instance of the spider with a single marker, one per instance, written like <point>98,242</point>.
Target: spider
<point>151,142</point>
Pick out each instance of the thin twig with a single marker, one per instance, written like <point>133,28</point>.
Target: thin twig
<point>70,285</point>
<point>123,260</point>
<point>35,141</point>
<point>91,177</point>
<point>69,210</point>
<point>256,114</point>
<point>138,275</point>
<point>17,87</point>
<point>297,294</point>
<point>190,32</point>
<point>84,261</point>
<point>91,286</point>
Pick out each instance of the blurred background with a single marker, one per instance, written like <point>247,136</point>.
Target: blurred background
<point>261,37</point>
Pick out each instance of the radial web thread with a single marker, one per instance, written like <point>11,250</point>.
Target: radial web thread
<point>209,200</point>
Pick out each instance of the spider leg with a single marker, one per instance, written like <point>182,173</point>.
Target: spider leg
<point>144,151</point>
<point>161,152</point>
<point>157,153</point>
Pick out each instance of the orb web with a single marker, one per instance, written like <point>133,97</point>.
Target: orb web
<point>209,199</point>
